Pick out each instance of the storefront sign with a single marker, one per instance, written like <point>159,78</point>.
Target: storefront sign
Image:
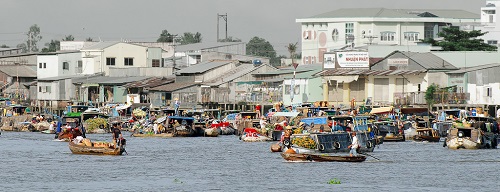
<point>329,61</point>
<point>397,62</point>
<point>353,59</point>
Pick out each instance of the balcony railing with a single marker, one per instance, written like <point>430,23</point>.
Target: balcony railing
<point>418,98</point>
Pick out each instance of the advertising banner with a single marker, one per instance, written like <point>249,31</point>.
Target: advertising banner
<point>353,59</point>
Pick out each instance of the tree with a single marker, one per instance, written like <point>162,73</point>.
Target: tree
<point>23,47</point>
<point>33,38</point>
<point>4,46</point>
<point>69,38</point>
<point>189,38</point>
<point>230,39</point>
<point>429,95</point>
<point>292,48</point>
<point>89,39</point>
<point>165,36</point>
<point>53,46</point>
<point>260,47</point>
<point>456,40</point>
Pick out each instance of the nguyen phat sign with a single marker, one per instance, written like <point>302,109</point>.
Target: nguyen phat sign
<point>353,59</point>
<point>397,62</point>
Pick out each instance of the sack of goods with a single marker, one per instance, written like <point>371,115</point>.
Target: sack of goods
<point>101,144</point>
<point>87,142</point>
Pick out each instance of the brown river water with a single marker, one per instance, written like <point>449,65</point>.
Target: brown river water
<point>34,162</point>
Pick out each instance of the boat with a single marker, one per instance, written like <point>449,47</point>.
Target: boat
<point>251,135</point>
<point>470,138</point>
<point>391,137</point>
<point>48,132</point>
<point>322,157</point>
<point>427,134</point>
<point>161,135</point>
<point>276,147</point>
<point>183,126</point>
<point>211,132</point>
<point>91,150</point>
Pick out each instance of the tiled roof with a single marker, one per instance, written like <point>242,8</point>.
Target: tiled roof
<point>344,72</point>
<point>173,86</point>
<point>151,82</point>
<point>18,70</point>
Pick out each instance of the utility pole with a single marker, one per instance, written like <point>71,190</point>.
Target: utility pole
<point>173,59</point>
<point>225,19</point>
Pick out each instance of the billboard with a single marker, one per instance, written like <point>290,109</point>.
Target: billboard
<point>329,61</point>
<point>397,62</point>
<point>353,59</point>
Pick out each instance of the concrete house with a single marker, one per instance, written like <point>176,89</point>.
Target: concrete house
<point>12,81</point>
<point>61,63</point>
<point>357,27</point>
<point>482,83</point>
<point>123,59</point>
<point>490,22</point>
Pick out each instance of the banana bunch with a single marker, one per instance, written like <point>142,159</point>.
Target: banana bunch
<point>298,131</point>
<point>139,113</point>
<point>95,123</point>
<point>306,142</point>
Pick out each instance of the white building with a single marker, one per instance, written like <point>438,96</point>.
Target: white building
<point>62,63</point>
<point>481,82</point>
<point>489,18</point>
<point>358,27</point>
<point>124,58</point>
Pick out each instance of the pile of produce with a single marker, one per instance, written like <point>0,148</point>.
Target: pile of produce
<point>95,123</point>
<point>139,113</point>
<point>270,127</point>
<point>298,131</point>
<point>306,142</point>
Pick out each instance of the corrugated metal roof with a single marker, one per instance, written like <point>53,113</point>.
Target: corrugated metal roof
<point>475,68</point>
<point>232,74</point>
<point>100,45</point>
<point>18,70</point>
<point>56,78</point>
<point>173,86</point>
<point>107,80</point>
<point>344,72</point>
<point>427,60</point>
<point>396,13</point>
<point>304,75</point>
<point>202,67</point>
<point>202,46</point>
<point>150,82</point>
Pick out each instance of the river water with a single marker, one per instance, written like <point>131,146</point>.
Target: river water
<point>33,162</point>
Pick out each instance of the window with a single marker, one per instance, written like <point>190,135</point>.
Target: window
<point>492,42</point>
<point>40,88</point>
<point>40,65</point>
<point>335,35</point>
<point>156,63</point>
<point>47,89</point>
<point>429,30</point>
<point>65,65</point>
<point>411,36</point>
<point>129,61</point>
<point>488,92</point>
<point>387,36</point>
<point>162,62</point>
<point>44,65</point>
<point>349,33</point>
<point>110,61</point>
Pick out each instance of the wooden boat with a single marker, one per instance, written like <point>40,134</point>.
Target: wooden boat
<point>276,148</point>
<point>161,135</point>
<point>322,158</point>
<point>427,134</point>
<point>390,137</point>
<point>211,132</point>
<point>251,135</point>
<point>87,150</point>
<point>470,138</point>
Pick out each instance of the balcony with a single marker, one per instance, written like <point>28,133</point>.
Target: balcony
<point>418,98</point>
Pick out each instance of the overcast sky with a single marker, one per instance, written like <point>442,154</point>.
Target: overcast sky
<point>143,20</point>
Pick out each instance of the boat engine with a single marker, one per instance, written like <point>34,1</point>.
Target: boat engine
<point>460,134</point>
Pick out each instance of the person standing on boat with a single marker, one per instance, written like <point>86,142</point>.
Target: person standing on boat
<point>263,124</point>
<point>117,134</point>
<point>354,145</point>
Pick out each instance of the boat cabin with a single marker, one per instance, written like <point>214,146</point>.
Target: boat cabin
<point>486,124</point>
<point>342,122</point>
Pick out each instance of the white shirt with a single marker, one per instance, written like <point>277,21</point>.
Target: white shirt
<point>263,123</point>
<point>354,142</point>
<point>51,127</point>
<point>155,127</point>
<point>498,113</point>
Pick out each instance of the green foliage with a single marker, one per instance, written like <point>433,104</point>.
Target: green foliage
<point>23,47</point>
<point>4,46</point>
<point>53,46</point>
<point>89,39</point>
<point>334,181</point>
<point>260,47</point>
<point>69,38</point>
<point>95,123</point>
<point>165,36</point>
<point>292,48</point>
<point>230,39</point>
<point>429,94</point>
<point>33,38</point>
<point>457,40</point>
<point>190,38</point>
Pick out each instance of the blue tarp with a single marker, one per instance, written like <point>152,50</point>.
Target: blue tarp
<point>315,120</point>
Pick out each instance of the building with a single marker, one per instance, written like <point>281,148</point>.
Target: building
<point>490,21</point>
<point>10,51</point>
<point>13,79</point>
<point>195,53</point>
<point>119,58</point>
<point>345,28</point>
<point>61,63</point>
<point>481,82</point>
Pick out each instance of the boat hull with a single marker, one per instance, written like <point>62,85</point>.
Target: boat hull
<point>462,143</point>
<point>211,132</point>
<point>426,138</point>
<point>162,135</point>
<point>86,150</point>
<point>259,138</point>
<point>322,158</point>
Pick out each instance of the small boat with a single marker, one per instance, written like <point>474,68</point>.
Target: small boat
<point>211,132</point>
<point>390,137</point>
<point>322,158</point>
<point>251,135</point>
<point>427,134</point>
<point>470,138</point>
<point>48,132</point>
<point>90,150</point>
<point>276,148</point>
<point>161,135</point>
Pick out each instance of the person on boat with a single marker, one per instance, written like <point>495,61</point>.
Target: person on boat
<point>263,124</point>
<point>155,128</point>
<point>51,126</point>
<point>354,145</point>
<point>58,129</point>
<point>337,112</point>
<point>117,134</point>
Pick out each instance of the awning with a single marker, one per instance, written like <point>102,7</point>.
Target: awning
<point>285,114</point>
<point>345,79</point>
<point>122,107</point>
<point>382,110</point>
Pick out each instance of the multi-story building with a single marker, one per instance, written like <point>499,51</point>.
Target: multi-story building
<point>490,24</point>
<point>345,28</point>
